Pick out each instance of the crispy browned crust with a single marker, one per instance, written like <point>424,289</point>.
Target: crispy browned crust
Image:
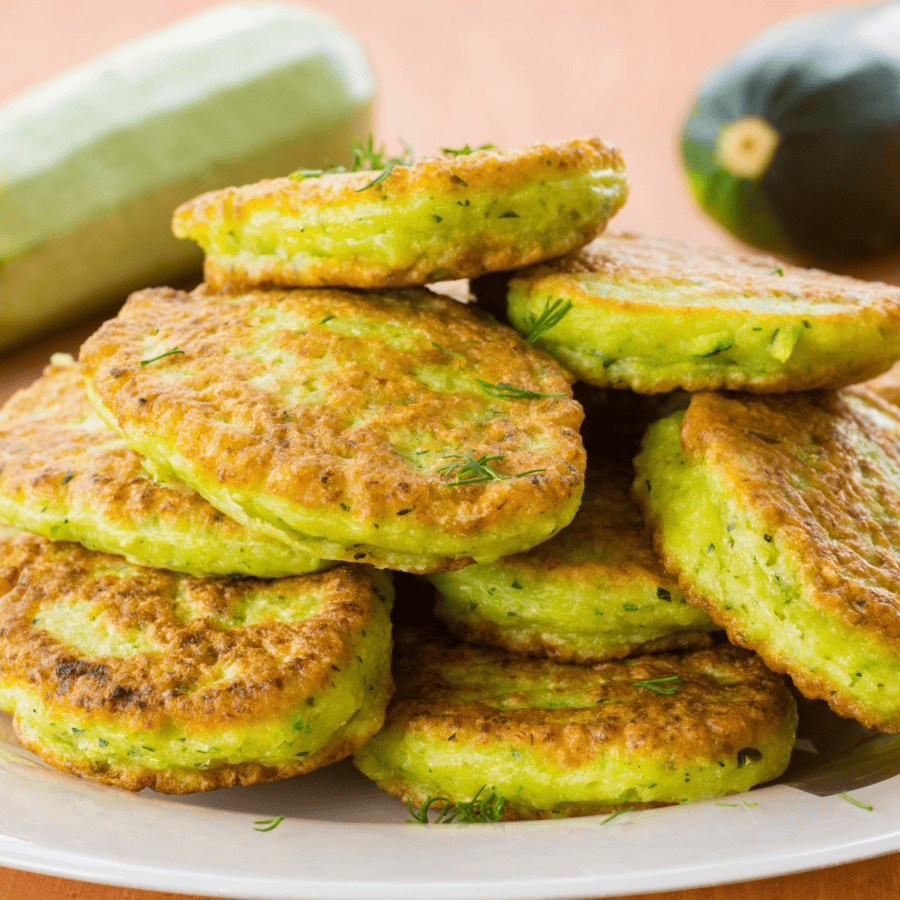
<point>275,665</point>
<point>340,453</point>
<point>463,175</point>
<point>636,258</point>
<point>80,466</point>
<point>848,552</point>
<point>705,717</point>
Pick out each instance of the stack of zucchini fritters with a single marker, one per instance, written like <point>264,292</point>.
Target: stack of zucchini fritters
<point>210,499</point>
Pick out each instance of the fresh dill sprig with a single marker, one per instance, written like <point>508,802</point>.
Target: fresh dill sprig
<point>467,812</point>
<point>466,150</point>
<point>552,315</point>
<point>269,824</point>
<point>855,802</point>
<point>448,352</point>
<point>302,174</point>
<point>369,159</point>
<point>468,470</point>
<point>504,391</point>
<point>366,158</point>
<point>667,686</point>
<point>173,351</point>
<point>617,813</point>
<point>778,271</point>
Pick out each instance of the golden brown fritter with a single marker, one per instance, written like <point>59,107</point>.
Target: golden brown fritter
<point>455,216</point>
<point>560,740</point>
<point>145,678</point>
<point>65,475</point>
<point>367,426</point>
<point>654,315</point>
<point>781,518</point>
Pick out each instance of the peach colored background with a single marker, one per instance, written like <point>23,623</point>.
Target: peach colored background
<point>463,71</point>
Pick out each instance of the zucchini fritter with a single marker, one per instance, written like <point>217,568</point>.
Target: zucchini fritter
<point>143,678</point>
<point>441,219</point>
<point>65,475</point>
<point>564,740</point>
<point>594,591</point>
<point>655,315</point>
<point>401,429</point>
<point>781,518</point>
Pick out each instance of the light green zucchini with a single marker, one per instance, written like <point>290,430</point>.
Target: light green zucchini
<point>93,162</point>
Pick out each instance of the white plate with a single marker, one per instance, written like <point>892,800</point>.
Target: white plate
<point>342,838</point>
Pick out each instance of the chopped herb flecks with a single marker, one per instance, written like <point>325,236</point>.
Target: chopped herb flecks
<point>667,686</point>
<point>504,391</point>
<point>856,802</point>
<point>448,352</point>
<point>365,159</point>
<point>466,150</point>
<point>172,352</point>
<point>552,315</point>
<point>489,809</point>
<point>617,813</point>
<point>268,824</point>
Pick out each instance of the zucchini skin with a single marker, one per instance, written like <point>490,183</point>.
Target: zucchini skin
<point>94,161</point>
<point>829,84</point>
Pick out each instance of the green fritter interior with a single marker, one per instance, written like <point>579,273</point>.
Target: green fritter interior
<point>746,573</point>
<point>594,591</point>
<point>144,678</point>
<point>561,740</point>
<point>545,213</point>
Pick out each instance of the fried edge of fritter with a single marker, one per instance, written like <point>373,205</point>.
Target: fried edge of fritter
<point>46,675</point>
<point>460,178</point>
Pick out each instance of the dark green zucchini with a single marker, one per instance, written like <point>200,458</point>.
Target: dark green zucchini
<point>794,143</point>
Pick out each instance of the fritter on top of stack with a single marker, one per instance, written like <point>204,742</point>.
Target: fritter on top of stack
<point>300,411</point>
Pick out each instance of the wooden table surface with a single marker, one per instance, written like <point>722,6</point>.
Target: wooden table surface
<point>473,71</point>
